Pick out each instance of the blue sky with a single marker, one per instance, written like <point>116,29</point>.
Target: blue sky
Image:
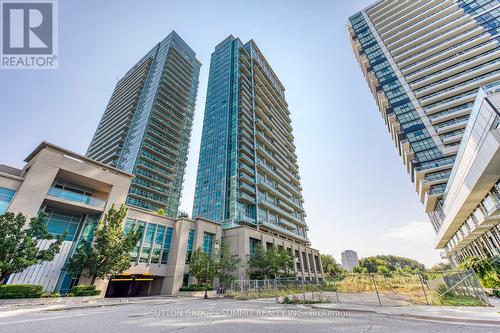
<point>357,193</point>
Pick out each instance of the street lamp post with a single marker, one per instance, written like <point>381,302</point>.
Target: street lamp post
<point>215,244</point>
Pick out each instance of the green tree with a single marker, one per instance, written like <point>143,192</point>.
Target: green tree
<point>161,212</point>
<point>273,263</point>
<point>330,265</point>
<point>19,246</point>
<point>440,267</point>
<point>386,264</point>
<point>487,270</point>
<point>200,263</point>
<point>109,253</point>
<point>227,264</point>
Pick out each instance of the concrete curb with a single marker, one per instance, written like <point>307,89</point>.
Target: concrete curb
<point>415,316</point>
<point>449,319</point>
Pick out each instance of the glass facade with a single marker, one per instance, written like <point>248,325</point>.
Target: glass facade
<point>6,196</point>
<point>154,247</point>
<point>146,127</point>
<point>427,73</point>
<point>208,240</point>
<point>425,64</point>
<point>248,171</point>
<point>60,222</point>
<point>190,244</point>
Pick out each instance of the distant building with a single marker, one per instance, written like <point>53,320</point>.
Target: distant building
<point>349,259</point>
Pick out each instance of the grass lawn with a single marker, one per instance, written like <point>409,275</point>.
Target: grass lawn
<point>461,301</point>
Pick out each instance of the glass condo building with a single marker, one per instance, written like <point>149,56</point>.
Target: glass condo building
<point>247,171</point>
<point>425,62</point>
<point>146,127</point>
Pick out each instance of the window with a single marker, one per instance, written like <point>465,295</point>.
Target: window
<point>160,234</point>
<point>6,196</point>
<point>166,245</point>
<point>185,280</point>
<point>207,243</point>
<point>254,243</point>
<point>189,251</point>
<point>59,223</point>
<point>147,243</point>
<point>304,260</point>
<point>129,224</point>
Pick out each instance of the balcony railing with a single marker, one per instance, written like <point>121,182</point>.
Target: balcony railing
<point>72,196</point>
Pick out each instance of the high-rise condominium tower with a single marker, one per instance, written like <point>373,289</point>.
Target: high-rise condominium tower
<point>146,127</point>
<point>425,62</point>
<point>248,172</point>
<point>349,259</point>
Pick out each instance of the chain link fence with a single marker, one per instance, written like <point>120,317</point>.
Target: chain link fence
<point>446,288</point>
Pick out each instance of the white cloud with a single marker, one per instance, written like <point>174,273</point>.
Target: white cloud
<point>414,232</point>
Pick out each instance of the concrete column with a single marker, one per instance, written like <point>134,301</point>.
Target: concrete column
<point>33,190</point>
<point>308,262</point>
<point>176,259</point>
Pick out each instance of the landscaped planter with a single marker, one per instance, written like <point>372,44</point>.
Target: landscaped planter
<point>20,302</point>
<point>200,294</point>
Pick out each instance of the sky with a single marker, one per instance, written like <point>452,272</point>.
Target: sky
<point>357,193</point>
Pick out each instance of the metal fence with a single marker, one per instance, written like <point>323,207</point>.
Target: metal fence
<point>446,288</point>
<point>458,284</point>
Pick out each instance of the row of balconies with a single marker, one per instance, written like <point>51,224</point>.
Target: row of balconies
<point>474,79</point>
<point>427,12</point>
<point>280,211</point>
<point>283,230</point>
<point>390,17</point>
<point>443,51</point>
<point>486,215</point>
<point>426,31</point>
<point>460,61</point>
<point>439,42</point>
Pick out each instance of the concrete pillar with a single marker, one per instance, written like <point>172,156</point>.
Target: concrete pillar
<point>177,259</point>
<point>33,191</point>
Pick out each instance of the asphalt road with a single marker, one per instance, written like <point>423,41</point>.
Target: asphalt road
<point>218,316</point>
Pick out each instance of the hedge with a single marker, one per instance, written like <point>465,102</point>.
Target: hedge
<point>195,288</point>
<point>21,291</point>
<point>84,290</point>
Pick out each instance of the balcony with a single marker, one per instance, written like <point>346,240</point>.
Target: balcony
<point>245,218</point>
<point>246,168</point>
<point>282,212</point>
<point>75,197</point>
<point>246,198</point>
<point>247,178</point>
<point>492,205</point>
<point>280,229</point>
<point>247,188</point>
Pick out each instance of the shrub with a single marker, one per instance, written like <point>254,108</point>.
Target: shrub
<point>496,292</point>
<point>12,295</point>
<point>21,291</point>
<point>200,287</point>
<point>84,290</point>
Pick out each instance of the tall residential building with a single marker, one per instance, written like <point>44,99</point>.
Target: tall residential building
<point>425,62</point>
<point>349,259</point>
<point>248,172</point>
<point>146,127</point>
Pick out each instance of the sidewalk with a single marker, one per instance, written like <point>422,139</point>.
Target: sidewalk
<point>466,314</point>
<point>12,306</point>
